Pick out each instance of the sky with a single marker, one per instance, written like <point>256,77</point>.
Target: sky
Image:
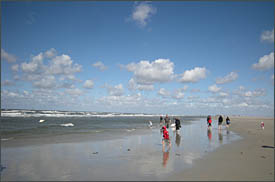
<point>160,57</point>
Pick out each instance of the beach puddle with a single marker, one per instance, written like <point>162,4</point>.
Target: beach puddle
<point>131,157</point>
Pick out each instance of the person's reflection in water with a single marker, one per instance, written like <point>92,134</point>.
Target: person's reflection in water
<point>209,134</point>
<point>220,136</point>
<point>165,155</point>
<point>178,138</point>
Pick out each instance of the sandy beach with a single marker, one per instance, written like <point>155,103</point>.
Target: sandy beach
<point>249,159</point>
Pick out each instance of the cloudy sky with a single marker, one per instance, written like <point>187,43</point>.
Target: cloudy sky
<point>190,58</point>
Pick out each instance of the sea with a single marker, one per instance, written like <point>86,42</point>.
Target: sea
<point>39,123</point>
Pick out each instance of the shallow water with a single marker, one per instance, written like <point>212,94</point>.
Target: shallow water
<point>135,155</point>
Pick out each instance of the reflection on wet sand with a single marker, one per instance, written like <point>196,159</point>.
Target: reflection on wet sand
<point>220,136</point>
<point>178,138</point>
<point>165,155</point>
<point>209,134</point>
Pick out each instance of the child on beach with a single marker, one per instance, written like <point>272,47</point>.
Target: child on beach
<point>262,125</point>
<point>209,122</point>
<point>165,137</point>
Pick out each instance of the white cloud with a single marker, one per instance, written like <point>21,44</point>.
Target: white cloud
<point>88,84</point>
<point>50,53</point>
<point>8,57</point>
<point>99,65</point>
<point>43,74</point>
<point>228,78</point>
<point>47,82</point>
<point>63,65</point>
<point>132,85</point>
<point>214,88</point>
<point>243,104</point>
<point>193,75</point>
<point>34,64</point>
<point>265,62</point>
<point>272,78</point>
<point>116,90</point>
<point>142,13</point>
<point>146,73</point>
<point>178,94</point>
<point>74,92</point>
<point>255,93</point>
<point>244,93</point>
<point>15,67</point>
<point>268,36</point>
<point>223,94</point>
<point>164,93</point>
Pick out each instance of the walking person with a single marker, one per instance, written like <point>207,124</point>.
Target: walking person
<point>209,122</point>
<point>220,122</point>
<point>178,126</point>
<point>227,122</point>
<point>167,121</point>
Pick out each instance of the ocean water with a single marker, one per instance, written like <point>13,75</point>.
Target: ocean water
<point>130,150</point>
<point>27,123</point>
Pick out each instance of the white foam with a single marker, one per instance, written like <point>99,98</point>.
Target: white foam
<point>130,130</point>
<point>6,139</point>
<point>32,113</point>
<point>41,120</point>
<point>67,124</point>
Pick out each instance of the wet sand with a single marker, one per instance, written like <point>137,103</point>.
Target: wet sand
<point>250,159</point>
<point>135,155</point>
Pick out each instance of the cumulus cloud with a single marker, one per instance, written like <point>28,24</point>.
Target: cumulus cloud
<point>132,85</point>
<point>193,75</point>
<point>100,66</point>
<point>267,36</point>
<point>265,62</point>
<point>7,57</point>
<point>228,78</point>
<point>15,67</point>
<point>244,93</point>
<point>142,13</point>
<point>63,65</point>
<point>47,82</point>
<point>88,84</point>
<point>57,72</point>
<point>74,92</point>
<point>147,73</point>
<point>255,93</point>
<point>223,94</point>
<point>116,90</point>
<point>164,93</point>
<point>179,93</point>
<point>214,88</point>
<point>50,53</point>
<point>35,63</point>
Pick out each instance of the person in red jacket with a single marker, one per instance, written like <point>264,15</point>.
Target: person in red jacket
<point>165,136</point>
<point>209,122</point>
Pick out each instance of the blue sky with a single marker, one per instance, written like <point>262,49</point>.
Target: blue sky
<point>190,58</point>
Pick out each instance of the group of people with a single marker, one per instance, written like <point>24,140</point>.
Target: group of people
<point>220,120</point>
<point>164,125</point>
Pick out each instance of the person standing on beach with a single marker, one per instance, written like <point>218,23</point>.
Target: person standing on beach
<point>178,126</point>
<point>227,122</point>
<point>167,121</point>
<point>165,137</point>
<point>220,122</point>
<point>209,121</point>
<point>160,121</point>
